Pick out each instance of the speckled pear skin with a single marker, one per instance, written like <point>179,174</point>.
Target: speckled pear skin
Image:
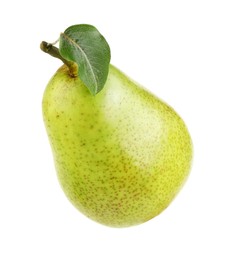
<point>121,156</point>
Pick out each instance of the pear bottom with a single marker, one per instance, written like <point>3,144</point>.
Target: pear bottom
<point>121,156</point>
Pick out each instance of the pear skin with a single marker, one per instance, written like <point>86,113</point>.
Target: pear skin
<point>122,155</point>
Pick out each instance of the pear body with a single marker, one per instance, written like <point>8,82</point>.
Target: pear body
<point>121,156</point>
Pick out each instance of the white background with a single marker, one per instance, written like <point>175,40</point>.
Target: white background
<point>181,50</point>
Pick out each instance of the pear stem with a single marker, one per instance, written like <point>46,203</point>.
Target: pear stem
<point>54,51</point>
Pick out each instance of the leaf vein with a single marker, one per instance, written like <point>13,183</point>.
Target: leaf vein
<point>86,58</point>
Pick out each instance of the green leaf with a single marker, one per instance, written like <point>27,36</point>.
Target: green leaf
<point>84,45</point>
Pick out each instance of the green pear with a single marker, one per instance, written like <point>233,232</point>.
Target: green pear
<point>122,155</point>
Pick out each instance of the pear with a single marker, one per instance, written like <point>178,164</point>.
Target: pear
<point>122,155</point>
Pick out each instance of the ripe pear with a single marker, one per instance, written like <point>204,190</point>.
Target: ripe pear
<point>122,155</point>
